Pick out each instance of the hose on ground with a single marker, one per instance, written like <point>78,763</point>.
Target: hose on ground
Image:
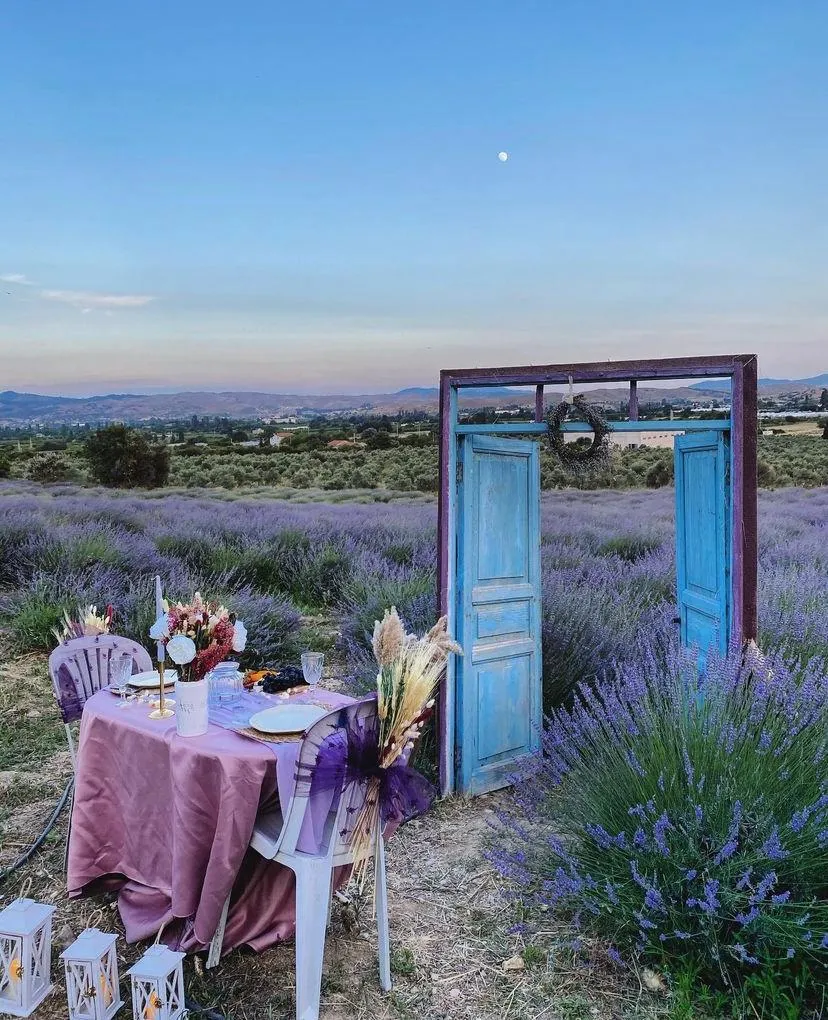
<point>196,1012</point>
<point>61,804</point>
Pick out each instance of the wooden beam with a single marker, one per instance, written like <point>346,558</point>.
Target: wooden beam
<point>601,371</point>
<point>446,536</point>
<point>539,408</point>
<point>535,428</point>
<point>744,491</point>
<point>633,415</point>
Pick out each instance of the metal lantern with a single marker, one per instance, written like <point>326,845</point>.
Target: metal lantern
<point>25,956</point>
<point>158,985</point>
<point>92,984</point>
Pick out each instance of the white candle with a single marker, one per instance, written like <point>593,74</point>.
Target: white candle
<point>159,610</point>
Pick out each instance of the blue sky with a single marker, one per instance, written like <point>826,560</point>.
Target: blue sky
<point>308,197</point>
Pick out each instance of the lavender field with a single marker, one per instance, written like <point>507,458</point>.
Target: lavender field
<point>638,820</point>
<point>608,570</point>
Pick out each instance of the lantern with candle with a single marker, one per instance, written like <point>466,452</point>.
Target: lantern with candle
<point>25,956</point>
<point>158,985</point>
<point>92,984</point>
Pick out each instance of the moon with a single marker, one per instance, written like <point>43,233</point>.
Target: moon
<point>503,156</point>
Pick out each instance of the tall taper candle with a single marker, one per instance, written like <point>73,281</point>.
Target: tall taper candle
<point>159,609</point>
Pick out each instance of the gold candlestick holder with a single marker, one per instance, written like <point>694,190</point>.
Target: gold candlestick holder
<point>161,711</point>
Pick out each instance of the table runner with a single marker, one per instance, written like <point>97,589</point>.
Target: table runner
<point>167,820</point>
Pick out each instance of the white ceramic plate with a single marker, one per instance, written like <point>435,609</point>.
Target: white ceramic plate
<point>148,680</point>
<point>287,718</point>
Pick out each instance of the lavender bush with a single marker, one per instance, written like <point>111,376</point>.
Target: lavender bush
<point>685,819</point>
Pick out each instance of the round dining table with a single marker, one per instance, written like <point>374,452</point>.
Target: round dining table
<point>166,820</point>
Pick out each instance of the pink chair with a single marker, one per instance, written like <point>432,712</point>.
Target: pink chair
<point>81,667</point>
<point>321,819</point>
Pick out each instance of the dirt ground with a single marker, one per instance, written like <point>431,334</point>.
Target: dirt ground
<point>451,925</point>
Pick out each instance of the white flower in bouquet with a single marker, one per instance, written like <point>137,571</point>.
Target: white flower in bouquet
<point>181,649</point>
<point>160,630</point>
<point>239,636</point>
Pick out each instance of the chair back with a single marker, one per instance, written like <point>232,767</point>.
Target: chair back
<point>330,811</point>
<point>81,666</point>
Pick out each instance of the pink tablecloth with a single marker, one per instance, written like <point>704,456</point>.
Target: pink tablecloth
<point>167,820</point>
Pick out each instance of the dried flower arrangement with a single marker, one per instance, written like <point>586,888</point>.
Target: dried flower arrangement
<point>410,669</point>
<point>88,623</point>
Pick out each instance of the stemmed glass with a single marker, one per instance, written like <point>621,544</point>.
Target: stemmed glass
<point>312,663</point>
<point>122,671</point>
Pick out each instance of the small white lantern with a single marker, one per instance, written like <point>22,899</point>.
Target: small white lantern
<point>25,956</point>
<point>92,984</point>
<point>158,985</point>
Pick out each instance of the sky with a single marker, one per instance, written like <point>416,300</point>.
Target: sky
<point>307,196</point>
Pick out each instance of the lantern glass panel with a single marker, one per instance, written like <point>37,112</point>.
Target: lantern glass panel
<point>11,971</point>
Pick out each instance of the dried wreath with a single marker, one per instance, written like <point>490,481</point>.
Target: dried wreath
<point>572,454</point>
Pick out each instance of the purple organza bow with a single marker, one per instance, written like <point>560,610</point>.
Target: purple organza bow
<point>350,755</point>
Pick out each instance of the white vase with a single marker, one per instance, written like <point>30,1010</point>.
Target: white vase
<point>191,709</point>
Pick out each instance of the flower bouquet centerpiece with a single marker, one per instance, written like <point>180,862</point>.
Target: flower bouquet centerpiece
<point>197,636</point>
<point>88,623</point>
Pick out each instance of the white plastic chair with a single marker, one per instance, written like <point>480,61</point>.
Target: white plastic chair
<point>80,667</point>
<point>276,838</point>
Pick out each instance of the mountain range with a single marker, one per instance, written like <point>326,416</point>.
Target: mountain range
<point>773,387</point>
<point>26,408</point>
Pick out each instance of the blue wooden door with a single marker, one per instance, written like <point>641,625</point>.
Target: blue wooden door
<point>703,540</point>
<point>498,679</point>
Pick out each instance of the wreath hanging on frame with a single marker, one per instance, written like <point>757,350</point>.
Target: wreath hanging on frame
<point>573,454</point>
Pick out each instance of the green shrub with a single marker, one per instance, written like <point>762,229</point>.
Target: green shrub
<point>122,457</point>
<point>50,468</point>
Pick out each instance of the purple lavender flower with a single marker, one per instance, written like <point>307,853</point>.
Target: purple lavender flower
<point>653,900</point>
<point>615,957</point>
<point>659,831</point>
<point>772,847</point>
<point>743,955</point>
<point>800,819</point>
<point>764,887</point>
<point>710,904</point>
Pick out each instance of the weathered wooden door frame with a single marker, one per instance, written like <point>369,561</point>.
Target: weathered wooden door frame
<point>741,369</point>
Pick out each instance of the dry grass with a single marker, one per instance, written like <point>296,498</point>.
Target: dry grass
<point>450,923</point>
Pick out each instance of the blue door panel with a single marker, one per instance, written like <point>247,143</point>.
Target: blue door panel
<point>703,540</point>
<point>502,694</point>
<point>498,679</point>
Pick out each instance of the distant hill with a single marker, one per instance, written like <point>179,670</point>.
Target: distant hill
<point>773,387</point>
<point>22,408</point>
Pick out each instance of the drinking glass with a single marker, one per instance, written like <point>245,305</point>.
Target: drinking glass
<point>121,672</point>
<point>312,663</point>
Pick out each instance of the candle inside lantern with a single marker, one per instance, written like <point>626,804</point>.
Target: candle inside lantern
<point>159,610</point>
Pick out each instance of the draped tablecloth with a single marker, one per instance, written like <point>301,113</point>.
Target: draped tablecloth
<point>167,820</point>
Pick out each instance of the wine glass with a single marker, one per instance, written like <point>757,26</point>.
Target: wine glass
<point>121,672</point>
<point>312,663</point>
